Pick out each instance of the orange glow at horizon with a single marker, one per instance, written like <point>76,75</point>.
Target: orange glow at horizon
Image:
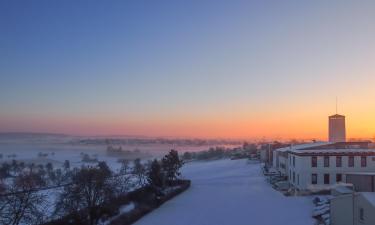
<point>282,125</point>
<point>290,118</point>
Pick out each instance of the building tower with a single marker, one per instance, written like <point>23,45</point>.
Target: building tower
<point>337,130</point>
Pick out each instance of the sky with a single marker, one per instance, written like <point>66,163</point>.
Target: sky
<point>199,68</point>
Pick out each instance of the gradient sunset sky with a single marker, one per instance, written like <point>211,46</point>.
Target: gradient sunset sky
<point>236,69</point>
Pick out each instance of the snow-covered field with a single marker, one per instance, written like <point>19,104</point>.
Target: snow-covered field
<point>57,153</point>
<point>230,192</point>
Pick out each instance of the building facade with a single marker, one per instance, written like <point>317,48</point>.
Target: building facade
<point>320,166</point>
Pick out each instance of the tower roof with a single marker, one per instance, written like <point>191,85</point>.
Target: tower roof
<point>337,116</point>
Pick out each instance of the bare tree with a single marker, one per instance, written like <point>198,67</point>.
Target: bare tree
<point>125,166</point>
<point>66,165</point>
<point>49,167</point>
<point>59,177</point>
<point>124,177</point>
<point>2,198</point>
<point>24,205</point>
<point>91,188</point>
<point>4,170</point>
<point>14,167</point>
<point>140,171</point>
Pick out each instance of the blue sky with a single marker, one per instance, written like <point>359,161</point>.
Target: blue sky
<point>168,66</point>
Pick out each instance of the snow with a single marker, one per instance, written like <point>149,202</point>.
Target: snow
<point>230,192</point>
<point>124,209</point>
<point>127,208</point>
<point>342,189</point>
<point>303,146</point>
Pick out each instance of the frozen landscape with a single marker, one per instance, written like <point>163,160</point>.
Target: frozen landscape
<point>222,191</point>
<point>230,192</point>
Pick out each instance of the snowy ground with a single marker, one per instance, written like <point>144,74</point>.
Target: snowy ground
<point>230,192</point>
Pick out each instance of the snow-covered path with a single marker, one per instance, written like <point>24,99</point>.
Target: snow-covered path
<point>230,192</point>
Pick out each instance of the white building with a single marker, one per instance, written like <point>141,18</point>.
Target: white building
<point>321,165</point>
<point>281,156</point>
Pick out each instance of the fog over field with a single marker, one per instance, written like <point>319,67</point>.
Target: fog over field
<point>45,148</point>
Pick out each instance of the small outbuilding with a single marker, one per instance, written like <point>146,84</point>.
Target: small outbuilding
<point>353,209</point>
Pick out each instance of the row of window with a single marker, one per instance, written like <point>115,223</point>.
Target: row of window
<point>314,161</point>
<point>314,178</point>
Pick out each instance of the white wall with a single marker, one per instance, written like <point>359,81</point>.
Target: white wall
<point>341,209</point>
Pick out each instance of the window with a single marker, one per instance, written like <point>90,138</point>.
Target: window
<point>338,177</point>
<point>326,178</point>
<point>290,174</point>
<point>294,177</point>
<point>351,161</point>
<point>294,161</point>
<point>314,178</point>
<point>338,161</point>
<point>363,161</point>
<point>326,161</point>
<point>361,214</point>
<point>314,161</point>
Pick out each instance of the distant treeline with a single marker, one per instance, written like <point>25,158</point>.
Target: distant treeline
<point>134,141</point>
<point>221,152</point>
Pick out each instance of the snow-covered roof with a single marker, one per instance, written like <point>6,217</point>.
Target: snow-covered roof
<point>303,146</point>
<point>334,151</point>
<point>343,189</point>
<point>369,196</point>
<point>329,148</point>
